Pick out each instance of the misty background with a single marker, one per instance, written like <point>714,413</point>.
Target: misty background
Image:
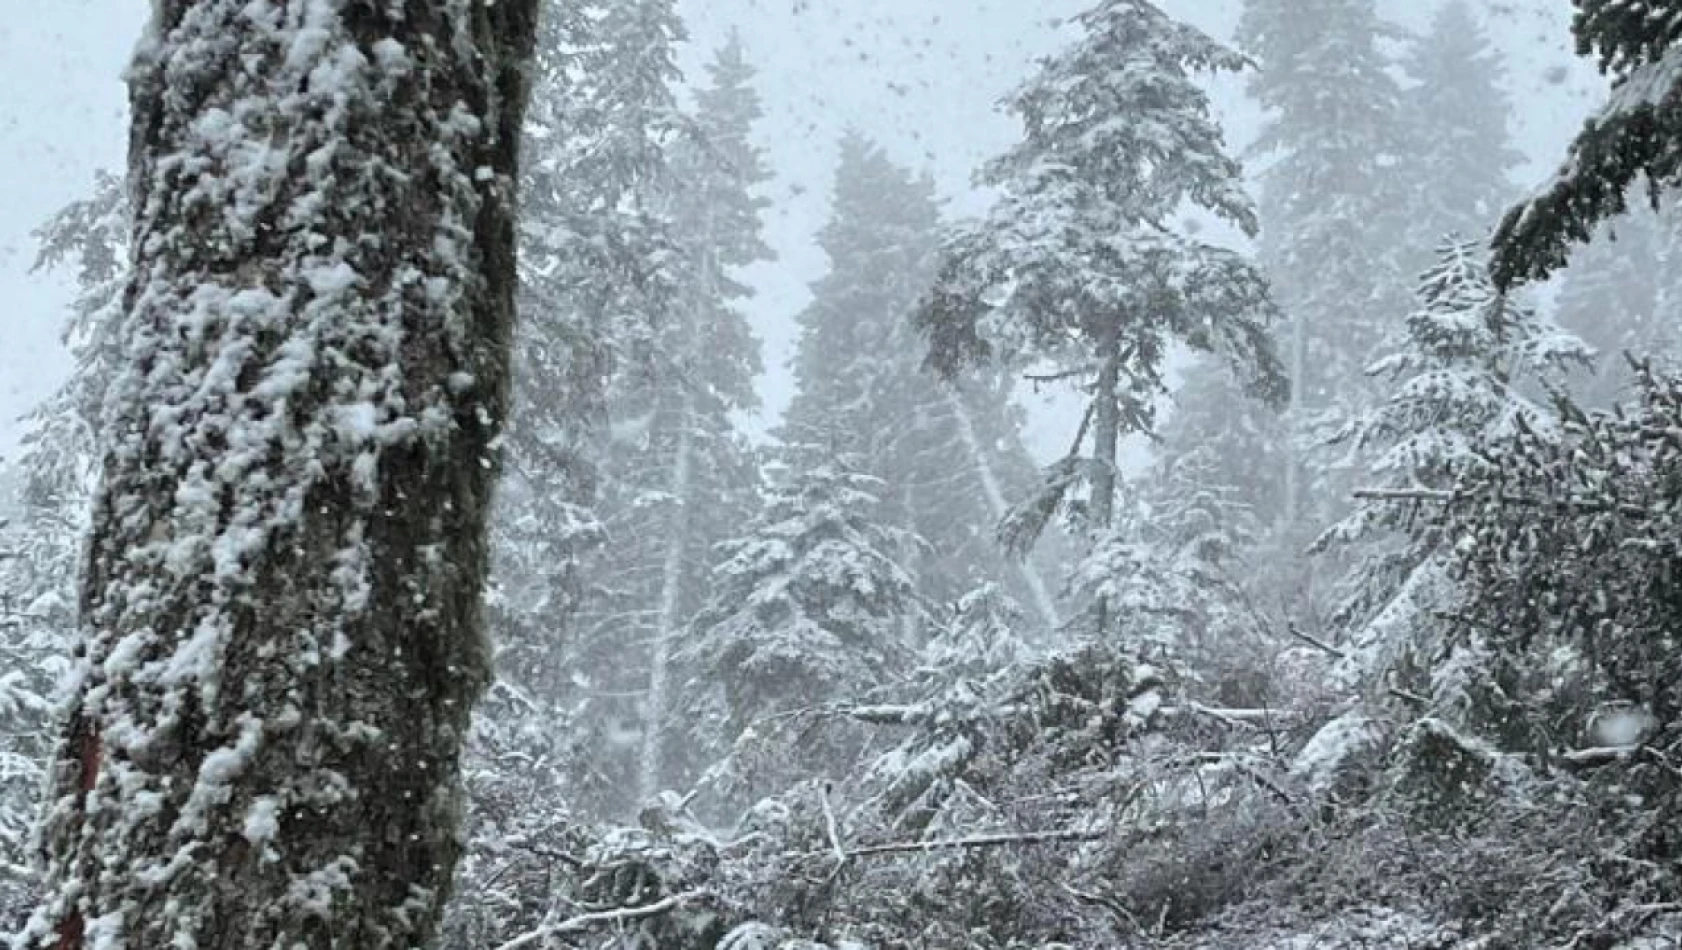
<point>920,77</point>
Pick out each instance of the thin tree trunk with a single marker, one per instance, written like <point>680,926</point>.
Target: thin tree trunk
<point>1106,424</point>
<point>1043,602</point>
<point>282,596</point>
<point>651,767</point>
<point>1293,416</point>
<point>1105,440</point>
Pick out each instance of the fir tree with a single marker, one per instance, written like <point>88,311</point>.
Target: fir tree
<point>1459,156</point>
<point>678,478</point>
<point>598,274</point>
<point>1458,370</point>
<point>1331,211</point>
<point>1080,267</point>
<point>1232,442</point>
<point>808,607</point>
<point>948,453</point>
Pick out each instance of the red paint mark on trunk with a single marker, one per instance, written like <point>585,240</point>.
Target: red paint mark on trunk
<point>87,756</point>
<point>85,747</point>
<point>70,932</point>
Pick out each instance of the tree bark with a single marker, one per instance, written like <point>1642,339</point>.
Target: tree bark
<point>1106,438</point>
<point>1106,434</point>
<point>281,605</point>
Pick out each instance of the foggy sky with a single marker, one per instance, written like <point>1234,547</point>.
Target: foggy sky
<point>920,76</point>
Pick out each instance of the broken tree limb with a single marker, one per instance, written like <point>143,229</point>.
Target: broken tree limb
<point>973,841</point>
<point>601,918</point>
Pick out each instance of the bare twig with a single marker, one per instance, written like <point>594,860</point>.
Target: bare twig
<point>1108,903</point>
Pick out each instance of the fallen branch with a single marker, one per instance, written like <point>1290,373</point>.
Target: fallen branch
<point>1315,642</point>
<point>1407,697</point>
<point>1256,775</point>
<point>601,918</point>
<point>885,715</point>
<point>976,841</point>
<point>1582,760</point>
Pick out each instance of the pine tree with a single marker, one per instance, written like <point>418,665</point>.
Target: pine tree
<point>948,453</point>
<point>982,637</point>
<point>1233,442</point>
<point>808,608</point>
<point>598,274</point>
<point>1458,369</point>
<point>1459,157</point>
<point>1619,294</point>
<point>282,598</point>
<point>1331,217</point>
<point>678,478</point>
<point>1080,267</point>
<point>1634,135</point>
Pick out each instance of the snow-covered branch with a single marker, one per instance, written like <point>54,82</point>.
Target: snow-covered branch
<point>975,841</point>
<point>601,918</point>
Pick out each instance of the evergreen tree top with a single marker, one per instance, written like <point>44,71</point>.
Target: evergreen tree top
<point>1457,365</point>
<point>1318,58</point>
<point>1461,157</point>
<point>1116,123</point>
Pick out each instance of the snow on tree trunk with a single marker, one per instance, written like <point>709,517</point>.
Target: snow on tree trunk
<point>282,597</point>
<point>671,591</point>
<point>1293,432</point>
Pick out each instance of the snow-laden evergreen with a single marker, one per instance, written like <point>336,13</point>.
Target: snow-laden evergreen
<point>677,477</point>
<point>1462,371</point>
<point>948,453</point>
<point>1630,138</point>
<point>598,272</point>
<point>1079,275</point>
<point>809,607</point>
<point>1334,233</point>
<point>42,536</point>
<point>1460,157</point>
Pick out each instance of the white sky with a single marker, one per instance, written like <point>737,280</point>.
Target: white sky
<point>919,75</point>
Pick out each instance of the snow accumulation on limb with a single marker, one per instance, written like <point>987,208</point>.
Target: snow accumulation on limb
<point>281,606</point>
<point>601,919</point>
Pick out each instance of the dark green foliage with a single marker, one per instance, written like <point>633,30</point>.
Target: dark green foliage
<point>1638,133</point>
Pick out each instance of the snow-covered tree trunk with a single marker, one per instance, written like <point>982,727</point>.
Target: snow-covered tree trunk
<point>1107,416</point>
<point>1107,426</point>
<point>282,596</point>
<point>1293,431</point>
<point>667,621</point>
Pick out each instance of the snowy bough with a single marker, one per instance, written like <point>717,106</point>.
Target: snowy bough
<point>281,603</point>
